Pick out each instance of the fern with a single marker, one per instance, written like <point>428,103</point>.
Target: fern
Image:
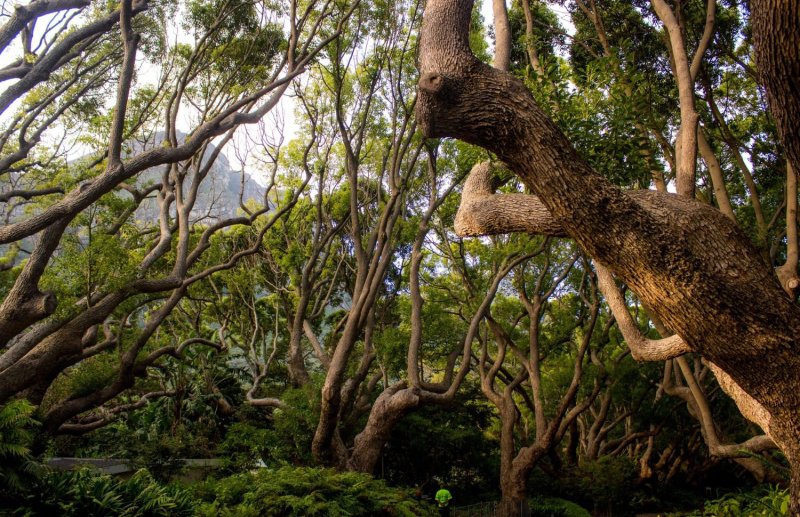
<point>298,491</point>
<point>17,465</point>
<point>85,493</point>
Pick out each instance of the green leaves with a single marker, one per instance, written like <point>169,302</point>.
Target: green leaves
<point>300,491</point>
<point>769,501</point>
<point>17,465</point>
<point>84,493</point>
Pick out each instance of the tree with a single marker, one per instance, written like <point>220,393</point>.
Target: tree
<point>536,281</point>
<point>96,280</point>
<point>689,263</point>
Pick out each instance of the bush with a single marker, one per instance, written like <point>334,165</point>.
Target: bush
<point>17,466</point>
<point>243,447</point>
<point>555,507</point>
<point>84,493</point>
<point>547,509</point>
<point>607,486</point>
<point>770,502</point>
<point>304,491</point>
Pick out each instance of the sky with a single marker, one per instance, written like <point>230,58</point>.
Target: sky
<point>148,73</point>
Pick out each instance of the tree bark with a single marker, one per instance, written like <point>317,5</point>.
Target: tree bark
<point>502,35</point>
<point>513,476</point>
<point>514,489</point>
<point>686,143</point>
<point>794,490</point>
<point>56,351</point>
<point>776,36</point>
<point>387,411</point>
<point>688,261</point>
<point>25,304</point>
<point>787,273</point>
<point>296,363</point>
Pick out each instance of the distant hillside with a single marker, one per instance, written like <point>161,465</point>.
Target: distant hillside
<point>218,196</point>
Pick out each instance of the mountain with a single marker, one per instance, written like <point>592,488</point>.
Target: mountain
<point>218,195</point>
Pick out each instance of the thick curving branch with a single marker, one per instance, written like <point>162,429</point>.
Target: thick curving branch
<point>24,14</point>
<point>642,349</point>
<point>28,194</point>
<point>45,66</point>
<point>482,212</point>
<point>108,416</point>
<point>689,262</point>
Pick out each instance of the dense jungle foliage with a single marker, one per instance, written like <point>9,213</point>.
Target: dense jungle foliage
<point>224,238</point>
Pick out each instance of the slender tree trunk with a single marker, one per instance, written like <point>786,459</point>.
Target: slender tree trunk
<point>686,143</point>
<point>573,444</point>
<point>530,46</point>
<point>502,35</point>
<point>787,273</point>
<point>715,171</point>
<point>296,364</point>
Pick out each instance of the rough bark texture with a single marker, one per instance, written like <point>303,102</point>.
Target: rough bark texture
<point>776,34</point>
<point>387,411</point>
<point>689,262</point>
<point>25,304</point>
<point>513,476</point>
<point>54,352</point>
<point>794,490</point>
<point>483,213</point>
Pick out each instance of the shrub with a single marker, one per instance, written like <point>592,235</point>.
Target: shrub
<point>17,466</point>
<point>555,507</point>
<point>547,509</point>
<point>606,485</point>
<point>244,445</point>
<point>84,493</point>
<point>304,491</point>
<point>769,501</point>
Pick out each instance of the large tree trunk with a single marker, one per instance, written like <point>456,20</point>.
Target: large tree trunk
<point>55,352</point>
<point>794,490</point>
<point>323,445</point>
<point>387,411</point>
<point>691,264</point>
<point>513,481</point>
<point>776,34</point>
<point>514,501</point>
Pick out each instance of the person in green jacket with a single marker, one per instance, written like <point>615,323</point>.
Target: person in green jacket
<point>443,498</point>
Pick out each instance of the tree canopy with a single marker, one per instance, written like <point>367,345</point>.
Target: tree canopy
<point>399,239</point>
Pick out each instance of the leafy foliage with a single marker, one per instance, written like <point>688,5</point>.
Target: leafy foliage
<point>542,506</point>
<point>300,491</point>
<point>606,484</point>
<point>450,444</point>
<point>17,465</point>
<point>244,446</point>
<point>770,501</point>
<point>85,493</point>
